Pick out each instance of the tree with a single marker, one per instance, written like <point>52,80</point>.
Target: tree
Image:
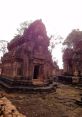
<point>73,38</point>
<point>54,41</point>
<point>22,27</point>
<point>3,46</point>
<point>73,43</point>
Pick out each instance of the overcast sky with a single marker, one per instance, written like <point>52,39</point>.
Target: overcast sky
<point>59,16</point>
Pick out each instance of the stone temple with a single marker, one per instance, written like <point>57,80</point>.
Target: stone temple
<point>28,59</point>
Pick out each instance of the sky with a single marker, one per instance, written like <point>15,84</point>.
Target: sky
<point>59,17</point>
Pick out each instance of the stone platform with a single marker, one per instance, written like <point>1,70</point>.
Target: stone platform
<point>11,85</point>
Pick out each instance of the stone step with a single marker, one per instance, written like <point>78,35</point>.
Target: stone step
<point>27,88</point>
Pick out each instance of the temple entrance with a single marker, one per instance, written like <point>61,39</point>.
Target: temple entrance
<point>36,71</point>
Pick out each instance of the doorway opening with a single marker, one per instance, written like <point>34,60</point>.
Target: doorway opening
<point>36,71</point>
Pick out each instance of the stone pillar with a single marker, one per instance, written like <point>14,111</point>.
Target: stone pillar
<point>15,66</point>
<point>25,67</point>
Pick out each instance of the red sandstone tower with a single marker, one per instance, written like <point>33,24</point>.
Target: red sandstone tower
<point>28,58</point>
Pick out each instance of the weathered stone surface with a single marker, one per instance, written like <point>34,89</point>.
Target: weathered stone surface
<point>72,59</point>
<point>9,110</point>
<point>59,104</point>
<point>28,57</point>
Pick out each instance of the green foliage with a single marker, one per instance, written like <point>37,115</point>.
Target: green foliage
<point>3,46</point>
<point>54,41</point>
<point>22,27</point>
<point>73,43</point>
<point>73,38</point>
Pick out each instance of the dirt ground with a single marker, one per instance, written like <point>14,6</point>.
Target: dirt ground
<point>53,104</point>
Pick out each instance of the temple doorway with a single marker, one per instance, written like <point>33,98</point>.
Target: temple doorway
<point>36,71</point>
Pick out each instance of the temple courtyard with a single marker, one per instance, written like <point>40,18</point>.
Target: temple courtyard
<point>59,103</point>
